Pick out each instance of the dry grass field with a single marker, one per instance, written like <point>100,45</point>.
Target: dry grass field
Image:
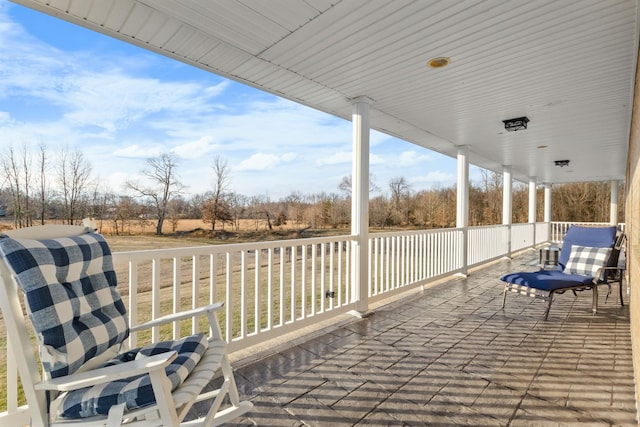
<point>140,235</point>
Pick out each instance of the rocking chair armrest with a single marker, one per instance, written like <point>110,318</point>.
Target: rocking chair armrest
<point>130,369</point>
<point>199,311</point>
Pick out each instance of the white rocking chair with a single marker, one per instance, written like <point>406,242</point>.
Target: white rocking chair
<point>89,377</point>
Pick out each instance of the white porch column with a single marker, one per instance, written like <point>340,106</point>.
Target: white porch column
<point>547,210</point>
<point>360,204</point>
<point>533,200</point>
<point>507,203</point>
<point>507,195</point>
<point>613,210</point>
<point>462,202</point>
<point>547,202</point>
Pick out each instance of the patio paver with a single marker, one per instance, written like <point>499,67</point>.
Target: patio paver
<point>450,355</point>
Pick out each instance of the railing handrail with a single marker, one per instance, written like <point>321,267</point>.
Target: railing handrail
<point>230,247</point>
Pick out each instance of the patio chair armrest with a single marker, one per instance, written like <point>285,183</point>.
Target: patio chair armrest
<point>600,272</point>
<point>90,378</point>
<point>199,311</point>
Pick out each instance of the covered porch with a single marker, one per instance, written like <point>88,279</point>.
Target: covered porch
<point>449,354</point>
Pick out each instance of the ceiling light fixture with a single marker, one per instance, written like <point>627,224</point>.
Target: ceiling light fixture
<point>519,123</point>
<point>561,163</point>
<point>439,62</point>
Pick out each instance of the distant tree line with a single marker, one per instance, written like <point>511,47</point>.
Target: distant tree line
<point>41,185</point>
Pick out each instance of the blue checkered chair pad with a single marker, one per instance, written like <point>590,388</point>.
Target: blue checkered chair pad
<point>70,292</point>
<point>135,392</point>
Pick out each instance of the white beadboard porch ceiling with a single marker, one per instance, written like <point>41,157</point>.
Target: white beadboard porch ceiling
<point>568,65</point>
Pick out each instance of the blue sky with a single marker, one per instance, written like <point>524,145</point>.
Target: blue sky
<point>64,86</point>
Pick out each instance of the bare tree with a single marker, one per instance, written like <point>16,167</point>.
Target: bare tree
<point>217,206</point>
<point>123,209</point>
<point>217,212</point>
<point>12,175</point>
<point>26,176</point>
<point>238,204</point>
<point>102,202</point>
<point>176,210</point>
<point>295,205</point>
<point>400,192</point>
<point>345,185</point>
<point>74,171</point>
<point>17,168</point>
<point>43,167</point>
<point>490,198</point>
<point>164,185</point>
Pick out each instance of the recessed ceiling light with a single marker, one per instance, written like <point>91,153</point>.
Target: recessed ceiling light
<point>439,62</point>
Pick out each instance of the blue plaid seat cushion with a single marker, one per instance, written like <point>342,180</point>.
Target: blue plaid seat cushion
<point>135,392</point>
<point>70,292</point>
<point>586,260</point>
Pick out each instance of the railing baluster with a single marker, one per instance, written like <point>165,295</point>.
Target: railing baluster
<point>133,301</point>
<point>228,301</point>
<point>282,285</point>
<point>195,291</point>
<point>303,283</point>
<point>243,293</point>
<point>269,325</point>
<point>340,273</point>
<point>294,257</point>
<point>314,297</point>
<point>332,273</point>
<point>257,309</point>
<point>176,294</point>
<point>212,278</point>
<point>323,248</point>
<point>155,297</point>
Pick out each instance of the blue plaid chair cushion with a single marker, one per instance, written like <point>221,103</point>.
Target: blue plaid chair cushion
<point>586,260</point>
<point>137,391</point>
<point>70,292</point>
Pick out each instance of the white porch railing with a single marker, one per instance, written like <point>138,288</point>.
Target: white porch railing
<point>411,258</point>
<point>272,288</point>
<point>269,288</point>
<point>487,243</point>
<point>559,229</point>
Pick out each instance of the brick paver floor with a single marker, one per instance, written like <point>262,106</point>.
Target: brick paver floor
<point>449,355</point>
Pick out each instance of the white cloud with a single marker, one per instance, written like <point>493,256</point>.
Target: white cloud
<point>138,151</point>
<point>410,158</point>
<point>376,159</point>
<point>113,101</point>
<point>5,117</point>
<point>263,161</point>
<point>377,138</point>
<point>435,177</point>
<point>118,180</point>
<point>335,158</point>
<point>196,149</point>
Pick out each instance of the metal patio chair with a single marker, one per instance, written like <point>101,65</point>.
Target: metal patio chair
<point>88,376</point>
<point>588,259</point>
